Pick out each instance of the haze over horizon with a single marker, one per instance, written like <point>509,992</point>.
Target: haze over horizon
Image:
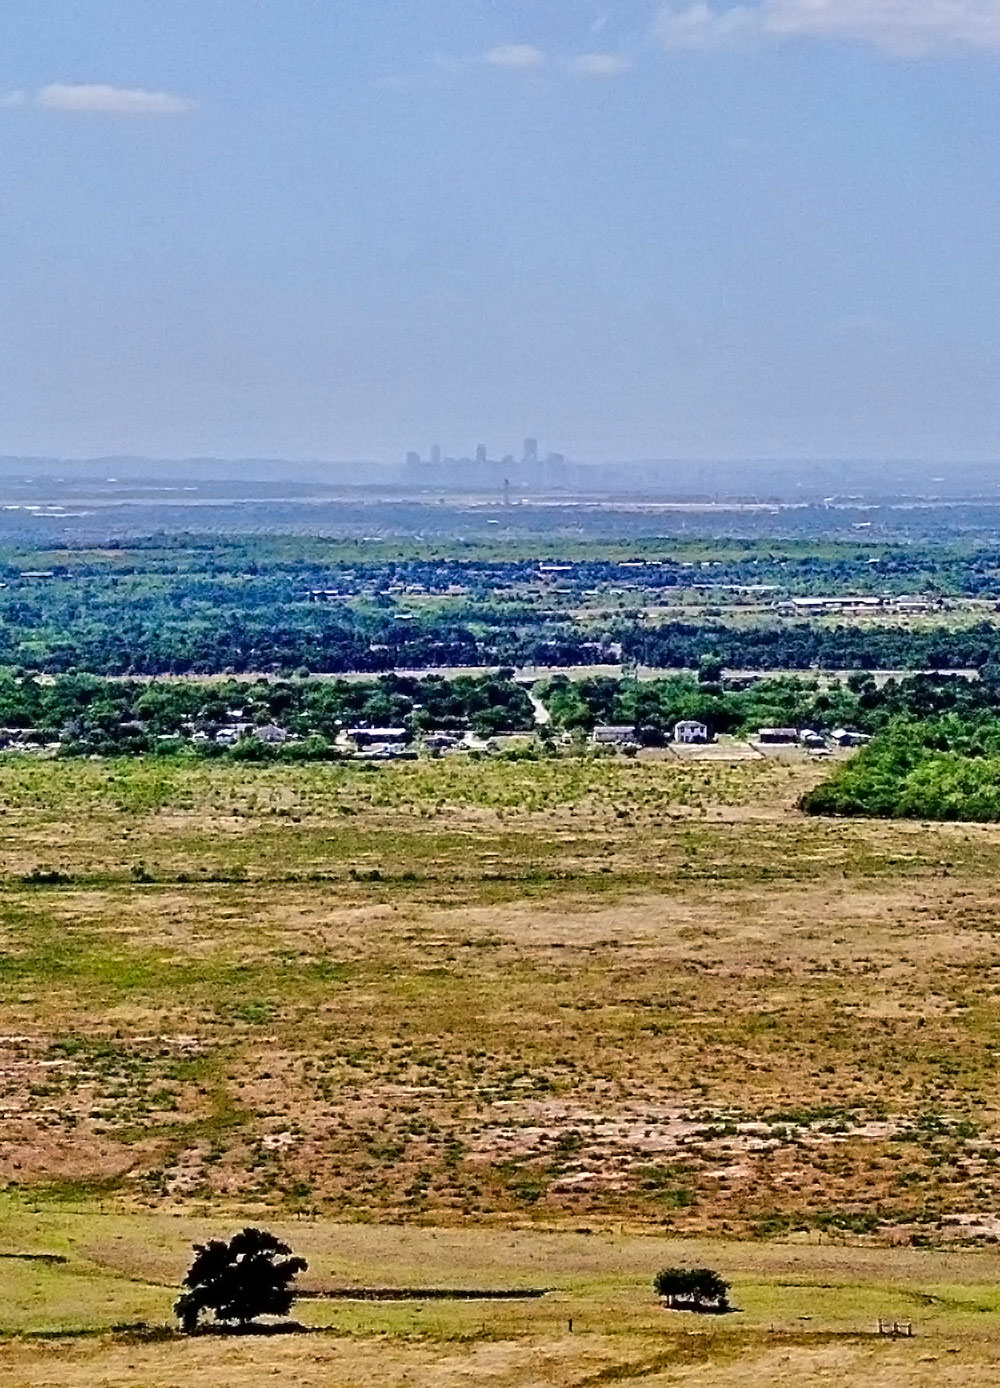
<point>639,230</point>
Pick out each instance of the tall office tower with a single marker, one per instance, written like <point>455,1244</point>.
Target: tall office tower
<point>531,450</point>
<point>481,453</point>
<point>436,455</point>
<point>554,471</point>
<point>412,459</point>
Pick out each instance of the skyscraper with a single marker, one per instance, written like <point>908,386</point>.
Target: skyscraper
<point>436,455</point>
<point>481,453</point>
<point>531,450</point>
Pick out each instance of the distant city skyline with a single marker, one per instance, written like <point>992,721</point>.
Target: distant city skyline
<point>436,457</point>
<point>29,481</point>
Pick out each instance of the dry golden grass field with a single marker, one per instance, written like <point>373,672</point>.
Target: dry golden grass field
<point>496,1024</point>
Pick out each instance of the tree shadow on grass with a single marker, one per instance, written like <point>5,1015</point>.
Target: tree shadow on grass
<point>224,1331</point>
<point>725,1310</point>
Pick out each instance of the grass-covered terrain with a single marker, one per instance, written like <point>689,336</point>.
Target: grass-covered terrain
<point>496,1002</point>
<point>805,1314</point>
<point>649,989</point>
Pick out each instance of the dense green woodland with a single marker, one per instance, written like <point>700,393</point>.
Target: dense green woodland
<point>804,646</point>
<point>209,605</point>
<point>938,768</point>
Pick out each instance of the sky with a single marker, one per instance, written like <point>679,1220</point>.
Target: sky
<point>347,228</point>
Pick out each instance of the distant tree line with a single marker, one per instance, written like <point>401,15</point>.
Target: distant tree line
<point>806,645</point>
<point>286,604</point>
<point>164,639</point>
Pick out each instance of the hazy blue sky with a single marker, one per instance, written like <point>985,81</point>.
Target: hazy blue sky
<point>343,228</point>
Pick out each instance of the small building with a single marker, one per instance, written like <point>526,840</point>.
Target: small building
<point>808,737</point>
<point>851,602</point>
<point>690,730</point>
<point>18,735</point>
<point>383,737</point>
<point>614,735</point>
<point>385,751</point>
<point>777,737</point>
<point>440,741</point>
<point>272,735</point>
<point>847,737</point>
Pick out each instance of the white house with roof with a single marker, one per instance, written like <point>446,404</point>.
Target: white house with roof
<point>691,730</point>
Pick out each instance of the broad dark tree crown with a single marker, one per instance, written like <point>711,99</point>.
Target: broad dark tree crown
<point>238,1281</point>
<point>692,1289</point>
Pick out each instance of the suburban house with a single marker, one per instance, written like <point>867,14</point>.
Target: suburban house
<point>383,737</point>
<point>272,734</point>
<point>614,735</point>
<point>845,737</point>
<point>690,730</point>
<point>777,737</point>
<point>230,733</point>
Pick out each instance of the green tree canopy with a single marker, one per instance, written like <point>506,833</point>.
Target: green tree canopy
<point>692,1289</point>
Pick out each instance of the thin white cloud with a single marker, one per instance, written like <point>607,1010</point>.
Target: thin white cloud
<point>601,64</point>
<point>97,98</point>
<point>900,26</point>
<point>699,26</point>
<point>904,28</point>
<point>9,101</point>
<point>515,55</point>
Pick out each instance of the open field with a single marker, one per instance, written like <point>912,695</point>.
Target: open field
<point>640,989</point>
<point>641,998</point>
<point>806,1314</point>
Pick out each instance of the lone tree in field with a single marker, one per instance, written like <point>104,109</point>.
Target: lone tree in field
<point>692,1289</point>
<point>238,1281</point>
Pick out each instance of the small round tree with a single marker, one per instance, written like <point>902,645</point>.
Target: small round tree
<point>692,1289</point>
<point>238,1281</point>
